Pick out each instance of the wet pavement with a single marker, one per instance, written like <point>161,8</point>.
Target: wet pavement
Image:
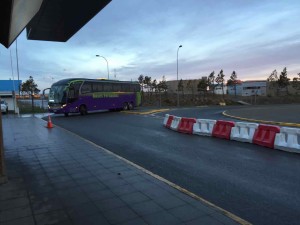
<point>56,177</point>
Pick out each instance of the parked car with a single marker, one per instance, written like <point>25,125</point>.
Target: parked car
<point>4,107</point>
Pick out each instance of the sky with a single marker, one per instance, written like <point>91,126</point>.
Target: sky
<point>251,37</point>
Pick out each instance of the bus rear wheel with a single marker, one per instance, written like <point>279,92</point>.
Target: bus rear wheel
<point>82,110</point>
<point>130,106</point>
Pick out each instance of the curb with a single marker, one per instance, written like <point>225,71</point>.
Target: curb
<point>147,112</point>
<point>224,113</point>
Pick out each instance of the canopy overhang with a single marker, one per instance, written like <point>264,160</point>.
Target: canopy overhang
<point>47,20</point>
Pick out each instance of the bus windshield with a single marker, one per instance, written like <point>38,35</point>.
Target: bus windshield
<point>57,94</point>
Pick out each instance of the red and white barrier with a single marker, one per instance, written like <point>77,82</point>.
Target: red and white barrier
<point>265,135</point>
<point>175,123</point>
<point>186,125</point>
<point>243,131</point>
<point>222,129</point>
<point>168,120</point>
<point>204,127</point>
<point>288,139</point>
<point>284,138</point>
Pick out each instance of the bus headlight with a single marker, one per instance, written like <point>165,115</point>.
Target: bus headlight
<point>64,105</point>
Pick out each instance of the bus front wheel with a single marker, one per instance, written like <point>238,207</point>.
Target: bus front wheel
<point>82,110</point>
<point>125,106</point>
<point>66,114</point>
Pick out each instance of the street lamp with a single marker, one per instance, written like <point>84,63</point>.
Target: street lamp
<point>177,77</point>
<point>18,67</point>
<point>106,64</point>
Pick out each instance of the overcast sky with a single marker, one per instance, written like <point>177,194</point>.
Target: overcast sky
<point>252,37</point>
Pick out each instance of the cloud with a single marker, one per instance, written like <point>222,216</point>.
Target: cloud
<point>142,37</point>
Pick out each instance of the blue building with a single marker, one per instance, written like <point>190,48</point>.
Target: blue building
<point>7,90</point>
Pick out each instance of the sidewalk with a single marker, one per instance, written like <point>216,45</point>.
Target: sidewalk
<point>55,177</point>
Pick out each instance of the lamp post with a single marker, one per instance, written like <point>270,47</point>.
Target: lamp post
<point>106,64</point>
<point>18,67</point>
<point>177,76</point>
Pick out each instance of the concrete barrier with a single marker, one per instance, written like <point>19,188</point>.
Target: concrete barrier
<point>243,131</point>
<point>175,122</point>
<point>204,127</point>
<point>186,125</point>
<point>288,139</point>
<point>168,120</point>
<point>222,129</point>
<point>265,135</point>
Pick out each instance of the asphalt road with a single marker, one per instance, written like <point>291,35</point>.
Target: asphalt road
<point>258,184</point>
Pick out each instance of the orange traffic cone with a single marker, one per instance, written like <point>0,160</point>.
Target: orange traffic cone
<point>49,124</point>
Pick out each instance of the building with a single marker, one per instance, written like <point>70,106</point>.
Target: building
<point>249,88</point>
<point>8,90</point>
<point>189,86</point>
<point>254,87</point>
<point>218,90</point>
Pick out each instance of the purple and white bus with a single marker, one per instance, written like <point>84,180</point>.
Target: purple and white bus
<point>80,95</point>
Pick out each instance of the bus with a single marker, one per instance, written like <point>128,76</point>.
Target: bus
<point>80,95</point>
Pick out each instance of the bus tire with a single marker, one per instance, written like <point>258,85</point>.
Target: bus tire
<point>125,106</point>
<point>66,114</point>
<point>130,106</point>
<point>82,110</point>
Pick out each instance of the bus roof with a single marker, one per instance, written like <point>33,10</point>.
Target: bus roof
<point>67,81</point>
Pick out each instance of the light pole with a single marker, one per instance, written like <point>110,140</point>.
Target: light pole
<point>177,77</point>
<point>18,67</point>
<point>106,64</point>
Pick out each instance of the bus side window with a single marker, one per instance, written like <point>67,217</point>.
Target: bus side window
<point>86,88</point>
<point>117,87</point>
<point>99,87</point>
<point>107,87</point>
<point>126,87</point>
<point>132,88</point>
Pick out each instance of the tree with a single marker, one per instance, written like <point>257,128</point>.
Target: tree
<point>154,86</point>
<point>232,81</point>
<point>180,86</point>
<point>284,81</point>
<point>147,83</point>
<point>202,86</point>
<point>30,87</point>
<point>162,85</point>
<point>296,82</point>
<point>220,80</point>
<point>190,86</point>
<point>211,81</point>
<point>273,76</point>
<point>141,81</point>
<point>272,80</point>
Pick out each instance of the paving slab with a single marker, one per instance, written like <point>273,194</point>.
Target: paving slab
<point>56,177</point>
